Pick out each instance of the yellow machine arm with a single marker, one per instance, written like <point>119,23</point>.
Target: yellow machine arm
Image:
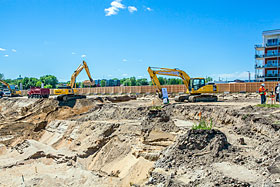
<point>169,72</point>
<point>6,84</point>
<point>77,72</point>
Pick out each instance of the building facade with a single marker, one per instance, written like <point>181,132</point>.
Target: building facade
<point>267,56</point>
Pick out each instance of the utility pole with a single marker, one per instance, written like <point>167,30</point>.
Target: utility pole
<point>249,76</point>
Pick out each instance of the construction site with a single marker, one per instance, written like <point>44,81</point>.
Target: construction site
<point>123,93</point>
<point>128,140</point>
<point>195,134</point>
<point>198,133</point>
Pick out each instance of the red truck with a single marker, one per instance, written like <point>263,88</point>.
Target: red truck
<point>35,92</point>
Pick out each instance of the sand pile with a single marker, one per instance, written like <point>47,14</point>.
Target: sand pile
<point>196,147</point>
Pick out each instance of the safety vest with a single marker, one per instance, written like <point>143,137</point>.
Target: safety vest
<point>262,91</point>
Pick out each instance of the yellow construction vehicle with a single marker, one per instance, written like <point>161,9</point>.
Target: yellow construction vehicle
<point>14,92</point>
<point>69,92</point>
<point>197,89</point>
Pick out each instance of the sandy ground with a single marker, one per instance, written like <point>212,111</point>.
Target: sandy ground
<point>128,141</point>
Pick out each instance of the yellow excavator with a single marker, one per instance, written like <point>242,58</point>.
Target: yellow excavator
<point>197,89</point>
<point>14,92</point>
<point>68,92</point>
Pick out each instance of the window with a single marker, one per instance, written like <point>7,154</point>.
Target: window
<point>273,41</point>
<point>197,83</point>
<point>271,63</point>
<point>272,52</point>
<point>271,73</point>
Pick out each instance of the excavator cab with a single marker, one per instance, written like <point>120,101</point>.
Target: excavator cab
<point>196,83</point>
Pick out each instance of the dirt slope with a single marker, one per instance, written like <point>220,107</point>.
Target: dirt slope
<point>107,143</point>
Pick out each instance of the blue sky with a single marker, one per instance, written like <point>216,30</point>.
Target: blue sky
<point>122,38</point>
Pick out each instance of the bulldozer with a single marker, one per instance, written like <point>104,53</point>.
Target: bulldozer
<point>197,89</point>
<point>69,92</point>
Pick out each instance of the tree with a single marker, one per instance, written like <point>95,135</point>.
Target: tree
<point>49,80</point>
<point>209,79</point>
<point>161,80</point>
<point>1,76</point>
<point>39,84</point>
<point>127,82</point>
<point>103,83</point>
<point>133,81</point>
<point>142,82</point>
<point>48,86</point>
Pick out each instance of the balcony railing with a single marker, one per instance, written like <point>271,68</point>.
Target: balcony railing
<point>267,55</point>
<point>268,76</point>
<point>259,66</point>
<point>266,45</point>
<point>271,65</point>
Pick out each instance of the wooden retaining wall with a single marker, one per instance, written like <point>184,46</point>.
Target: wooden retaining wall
<point>228,87</point>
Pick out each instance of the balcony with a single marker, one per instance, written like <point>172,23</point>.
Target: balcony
<point>259,66</point>
<point>267,55</point>
<point>261,46</point>
<point>259,76</point>
<point>271,66</point>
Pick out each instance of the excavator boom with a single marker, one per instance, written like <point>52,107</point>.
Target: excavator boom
<point>153,71</point>
<point>77,72</point>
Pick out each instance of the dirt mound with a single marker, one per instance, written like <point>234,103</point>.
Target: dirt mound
<point>194,147</point>
<point>158,120</point>
<point>123,98</point>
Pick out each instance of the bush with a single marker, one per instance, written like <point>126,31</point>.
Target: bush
<point>202,125</point>
<point>269,105</point>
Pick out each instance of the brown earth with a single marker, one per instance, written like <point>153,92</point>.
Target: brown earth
<point>120,141</point>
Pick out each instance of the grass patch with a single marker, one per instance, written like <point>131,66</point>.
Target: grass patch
<point>269,105</point>
<point>203,125</point>
<point>156,107</point>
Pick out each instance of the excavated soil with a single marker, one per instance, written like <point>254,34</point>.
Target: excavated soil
<point>124,141</point>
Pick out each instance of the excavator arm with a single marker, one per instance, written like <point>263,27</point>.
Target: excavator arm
<point>6,84</point>
<point>153,71</point>
<point>77,72</point>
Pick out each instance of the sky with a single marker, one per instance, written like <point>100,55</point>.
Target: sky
<point>121,38</point>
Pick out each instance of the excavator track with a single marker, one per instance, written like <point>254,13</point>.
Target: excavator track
<point>69,97</point>
<point>196,98</point>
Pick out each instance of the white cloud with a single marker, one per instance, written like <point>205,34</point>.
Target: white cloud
<point>232,76</point>
<point>124,74</point>
<point>73,53</point>
<point>114,9</point>
<point>149,9</point>
<point>13,50</point>
<point>140,76</point>
<point>132,9</point>
<point>1,49</point>
<point>124,60</point>
<point>83,56</point>
<point>6,55</point>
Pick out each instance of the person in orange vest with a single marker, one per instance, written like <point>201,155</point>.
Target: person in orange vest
<point>262,92</point>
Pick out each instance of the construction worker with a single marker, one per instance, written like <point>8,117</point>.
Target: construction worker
<point>262,92</point>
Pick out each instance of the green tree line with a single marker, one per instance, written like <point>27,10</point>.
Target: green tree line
<point>50,81</point>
